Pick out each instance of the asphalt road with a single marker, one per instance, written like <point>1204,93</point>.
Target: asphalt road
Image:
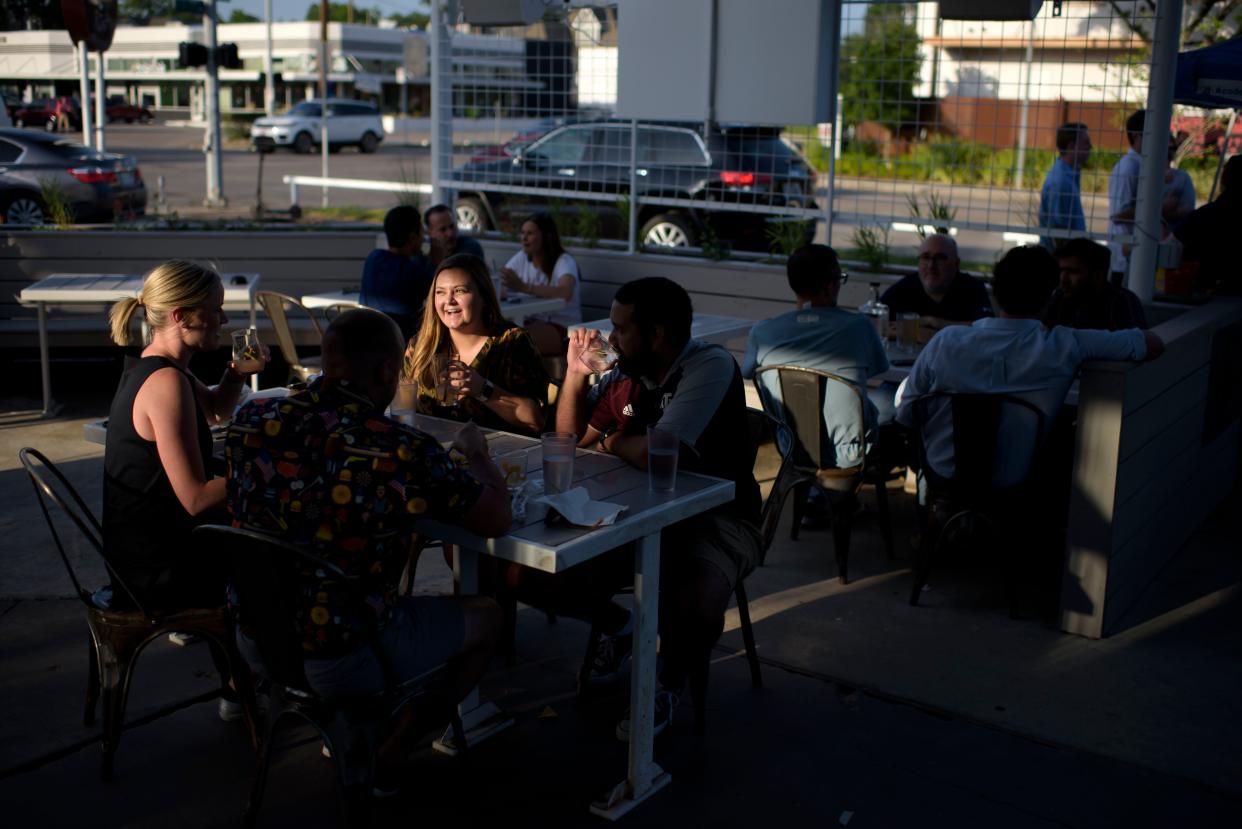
<point>176,154</point>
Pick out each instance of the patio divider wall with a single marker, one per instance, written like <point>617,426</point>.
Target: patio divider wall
<point>1157,449</point>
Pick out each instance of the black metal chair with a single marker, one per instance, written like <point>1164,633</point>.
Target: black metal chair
<point>799,403</point>
<point>266,573</point>
<point>761,429</point>
<point>118,636</point>
<point>996,439</point>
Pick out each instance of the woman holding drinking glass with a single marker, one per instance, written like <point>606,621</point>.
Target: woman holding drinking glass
<point>542,268</point>
<point>468,362</point>
<point>157,484</point>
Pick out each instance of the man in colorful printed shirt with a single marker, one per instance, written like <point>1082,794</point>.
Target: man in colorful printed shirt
<point>326,469</point>
<point>664,377</point>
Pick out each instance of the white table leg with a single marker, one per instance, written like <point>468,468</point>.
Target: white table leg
<point>479,720</point>
<point>254,323</point>
<point>45,361</point>
<point>644,777</point>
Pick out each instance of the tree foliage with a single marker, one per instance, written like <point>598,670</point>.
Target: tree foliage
<point>16,15</point>
<point>880,66</point>
<point>1205,21</point>
<point>242,16</point>
<point>146,12</point>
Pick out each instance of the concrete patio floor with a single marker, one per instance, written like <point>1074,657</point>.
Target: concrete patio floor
<point>872,713</point>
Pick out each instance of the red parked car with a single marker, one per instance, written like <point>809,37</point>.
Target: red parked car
<point>119,109</point>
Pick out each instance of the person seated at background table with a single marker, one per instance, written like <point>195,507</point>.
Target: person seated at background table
<point>157,478</point>
<point>325,469</point>
<point>469,362</point>
<point>1210,236</point>
<point>395,279</point>
<point>662,377</point>
<point>542,268</point>
<point>940,293</point>
<point>1085,297</point>
<point>443,236</point>
<point>821,335</point>
<point>1012,353</point>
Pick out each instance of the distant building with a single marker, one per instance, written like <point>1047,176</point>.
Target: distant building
<point>1082,69</point>
<point>490,73</point>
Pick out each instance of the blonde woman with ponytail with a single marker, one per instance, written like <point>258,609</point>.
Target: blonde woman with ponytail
<point>157,485</point>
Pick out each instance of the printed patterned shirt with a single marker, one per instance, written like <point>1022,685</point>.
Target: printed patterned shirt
<point>324,468</point>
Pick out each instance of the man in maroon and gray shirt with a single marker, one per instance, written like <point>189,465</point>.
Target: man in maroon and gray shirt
<point>664,377</point>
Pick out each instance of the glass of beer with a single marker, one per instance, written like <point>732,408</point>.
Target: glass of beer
<point>907,332</point>
<point>247,352</point>
<point>663,444</point>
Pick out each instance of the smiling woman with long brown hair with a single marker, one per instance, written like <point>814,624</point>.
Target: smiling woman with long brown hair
<point>468,361</point>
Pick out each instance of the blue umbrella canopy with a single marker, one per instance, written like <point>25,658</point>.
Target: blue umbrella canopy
<point>1211,77</point>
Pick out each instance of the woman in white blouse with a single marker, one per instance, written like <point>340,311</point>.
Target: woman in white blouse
<point>542,268</point>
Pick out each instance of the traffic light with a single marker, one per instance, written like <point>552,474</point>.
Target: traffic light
<point>191,54</point>
<point>226,56</point>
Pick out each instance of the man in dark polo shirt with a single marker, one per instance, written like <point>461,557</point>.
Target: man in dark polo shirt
<point>444,236</point>
<point>664,377</point>
<point>1085,298</point>
<point>940,293</point>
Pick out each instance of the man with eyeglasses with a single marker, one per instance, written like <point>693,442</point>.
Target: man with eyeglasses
<point>940,294</point>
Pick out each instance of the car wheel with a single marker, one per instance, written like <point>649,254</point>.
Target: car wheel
<point>471,216</point>
<point>23,210</point>
<point>369,142</point>
<point>303,144</point>
<point>669,230</point>
<point>334,148</point>
<point>129,120</point>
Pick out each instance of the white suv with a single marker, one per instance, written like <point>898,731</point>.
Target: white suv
<point>349,123</point>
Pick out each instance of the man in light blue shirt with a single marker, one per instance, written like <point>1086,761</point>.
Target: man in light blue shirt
<point>819,335</point>
<point>1060,200</point>
<point>1011,354</point>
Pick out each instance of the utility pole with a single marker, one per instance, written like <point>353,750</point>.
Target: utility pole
<point>84,91</point>
<point>441,103</point>
<point>211,137</point>
<point>323,98</point>
<point>269,83</point>
<point>101,111</point>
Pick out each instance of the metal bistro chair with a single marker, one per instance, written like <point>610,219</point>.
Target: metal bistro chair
<point>803,394</point>
<point>991,470</point>
<point>117,637</point>
<point>277,307</point>
<point>266,573</point>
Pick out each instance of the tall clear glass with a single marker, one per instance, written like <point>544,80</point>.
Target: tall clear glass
<point>663,446</point>
<point>876,311</point>
<point>558,461</point>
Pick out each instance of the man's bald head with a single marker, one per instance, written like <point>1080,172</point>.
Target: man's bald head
<point>364,347</point>
<point>938,264</point>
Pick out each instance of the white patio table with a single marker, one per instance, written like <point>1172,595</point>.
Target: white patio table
<point>556,548</point>
<point>516,309</point>
<point>104,288</point>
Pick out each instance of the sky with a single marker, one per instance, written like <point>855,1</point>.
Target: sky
<point>296,9</point>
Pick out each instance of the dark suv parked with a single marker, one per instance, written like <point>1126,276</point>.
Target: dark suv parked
<point>744,165</point>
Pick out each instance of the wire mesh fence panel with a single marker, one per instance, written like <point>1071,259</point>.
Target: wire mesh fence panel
<point>997,131</point>
<point>693,186</point>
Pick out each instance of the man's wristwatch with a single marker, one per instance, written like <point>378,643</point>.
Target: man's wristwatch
<point>485,393</point>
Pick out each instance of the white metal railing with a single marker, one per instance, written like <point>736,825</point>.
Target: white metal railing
<point>350,184</point>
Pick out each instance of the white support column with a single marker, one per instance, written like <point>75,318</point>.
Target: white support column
<point>1147,220</point>
<point>834,101</point>
<point>84,92</point>
<point>101,99</point>
<point>269,83</point>
<point>441,103</point>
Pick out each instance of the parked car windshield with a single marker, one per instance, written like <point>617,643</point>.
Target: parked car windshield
<point>305,110</point>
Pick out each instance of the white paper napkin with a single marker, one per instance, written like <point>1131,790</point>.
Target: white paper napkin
<point>578,508</point>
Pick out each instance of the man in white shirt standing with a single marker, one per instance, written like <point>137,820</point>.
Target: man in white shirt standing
<point>1011,353</point>
<point>1123,194</point>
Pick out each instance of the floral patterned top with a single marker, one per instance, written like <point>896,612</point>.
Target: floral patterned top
<point>510,360</point>
<point>326,469</point>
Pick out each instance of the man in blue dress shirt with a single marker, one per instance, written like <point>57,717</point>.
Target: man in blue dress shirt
<point>1060,200</point>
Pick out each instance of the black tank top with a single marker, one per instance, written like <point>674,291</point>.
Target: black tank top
<point>146,531</point>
